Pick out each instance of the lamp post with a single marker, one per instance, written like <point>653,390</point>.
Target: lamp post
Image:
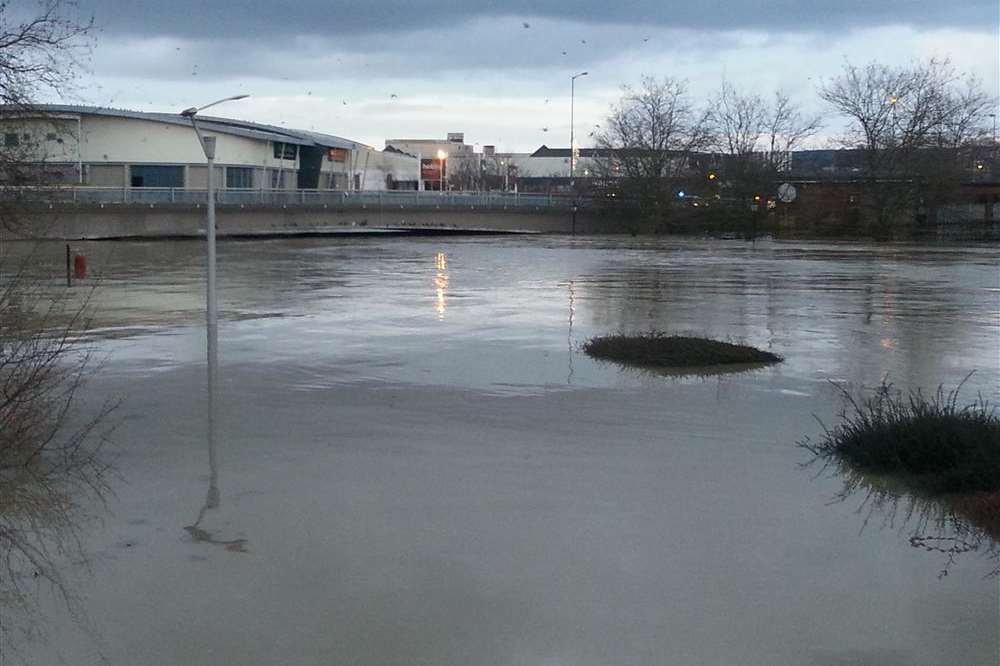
<point>442,157</point>
<point>572,126</point>
<point>211,317</point>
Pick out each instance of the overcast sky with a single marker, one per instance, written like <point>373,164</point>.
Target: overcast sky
<point>499,71</point>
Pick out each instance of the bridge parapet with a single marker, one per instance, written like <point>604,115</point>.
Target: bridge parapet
<point>286,198</point>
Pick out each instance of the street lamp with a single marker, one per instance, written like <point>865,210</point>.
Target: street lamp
<point>572,127</point>
<point>442,156</point>
<point>211,317</point>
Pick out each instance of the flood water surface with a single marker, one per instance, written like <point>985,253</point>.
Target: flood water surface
<point>418,465</point>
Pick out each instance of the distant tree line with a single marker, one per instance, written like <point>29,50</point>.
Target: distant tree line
<point>916,128</point>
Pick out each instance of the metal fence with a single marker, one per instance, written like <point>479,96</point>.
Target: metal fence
<point>286,198</point>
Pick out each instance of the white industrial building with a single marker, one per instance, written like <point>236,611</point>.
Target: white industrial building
<point>443,162</point>
<point>99,147</point>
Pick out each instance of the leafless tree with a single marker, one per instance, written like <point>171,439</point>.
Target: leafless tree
<point>49,462</point>
<point>40,49</point>
<point>753,138</point>
<point>466,174</point>
<point>648,140</point>
<point>911,125</point>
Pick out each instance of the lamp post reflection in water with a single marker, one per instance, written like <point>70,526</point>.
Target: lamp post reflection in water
<point>569,332</point>
<point>441,283</point>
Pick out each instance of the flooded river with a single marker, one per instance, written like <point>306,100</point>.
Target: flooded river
<point>417,464</point>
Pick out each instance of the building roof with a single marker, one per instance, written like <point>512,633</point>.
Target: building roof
<point>229,126</point>
<point>394,149</point>
<point>545,151</point>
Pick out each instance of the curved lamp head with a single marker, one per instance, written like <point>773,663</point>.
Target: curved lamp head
<point>187,113</point>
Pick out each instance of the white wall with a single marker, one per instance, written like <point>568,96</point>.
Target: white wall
<point>380,164</point>
<point>107,139</point>
<point>546,167</point>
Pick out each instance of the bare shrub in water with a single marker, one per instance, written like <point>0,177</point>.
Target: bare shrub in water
<point>49,454</point>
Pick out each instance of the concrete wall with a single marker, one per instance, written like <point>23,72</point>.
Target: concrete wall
<point>117,221</point>
<point>382,164</point>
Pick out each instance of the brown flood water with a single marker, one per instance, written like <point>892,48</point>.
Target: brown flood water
<point>419,466</point>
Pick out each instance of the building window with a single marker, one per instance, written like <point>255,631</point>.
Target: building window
<point>11,140</point>
<point>150,175</point>
<point>275,179</point>
<point>285,151</point>
<point>239,177</point>
<point>51,136</point>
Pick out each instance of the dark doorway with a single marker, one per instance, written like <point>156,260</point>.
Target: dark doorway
<point>310,160</point>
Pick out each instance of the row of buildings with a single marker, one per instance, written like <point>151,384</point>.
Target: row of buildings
<point>100,147</point>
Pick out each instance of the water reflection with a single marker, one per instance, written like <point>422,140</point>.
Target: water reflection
<point>569,333</point>
<point>948,526</point>
<point>212,498</point>
<point>441,284</point>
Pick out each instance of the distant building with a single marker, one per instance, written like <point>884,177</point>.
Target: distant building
<point>444,164</point>
<point>92,146</point>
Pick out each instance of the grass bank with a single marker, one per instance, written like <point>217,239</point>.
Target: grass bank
<point>659,350</point>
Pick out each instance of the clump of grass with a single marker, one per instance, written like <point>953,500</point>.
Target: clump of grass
<point>925,461</point>
<point>659,350</point>
<point>929,443</point>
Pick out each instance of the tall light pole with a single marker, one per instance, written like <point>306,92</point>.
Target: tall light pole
<point>442,156</point>
<point>211,316</point>
<point>572,125</point>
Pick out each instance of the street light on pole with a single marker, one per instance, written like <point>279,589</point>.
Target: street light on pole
<point>211,317</point>
<point>572,125</point>
<point>442,156</point>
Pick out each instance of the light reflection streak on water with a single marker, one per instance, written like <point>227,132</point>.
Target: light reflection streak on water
<point>569,332</point>
<point>441,284</point>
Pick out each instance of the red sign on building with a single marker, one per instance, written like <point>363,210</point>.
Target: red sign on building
<point>430,169</point>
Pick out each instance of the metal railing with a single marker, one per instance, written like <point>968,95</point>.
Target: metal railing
<point>286,198</point>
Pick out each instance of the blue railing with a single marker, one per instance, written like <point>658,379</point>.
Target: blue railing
<point>286,198</point>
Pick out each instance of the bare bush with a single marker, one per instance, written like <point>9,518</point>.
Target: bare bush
<point>49,451</point>
<point>49,447</point>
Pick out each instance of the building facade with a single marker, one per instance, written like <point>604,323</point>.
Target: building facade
<point>447,164</point>
<point>97,147</point>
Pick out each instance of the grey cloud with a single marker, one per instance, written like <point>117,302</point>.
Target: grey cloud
<point>267,20</point>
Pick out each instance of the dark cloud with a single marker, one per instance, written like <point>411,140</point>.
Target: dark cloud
<point>271,21</point>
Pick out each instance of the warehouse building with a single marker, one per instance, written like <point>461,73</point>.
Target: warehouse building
<point>444,164</point>
<point>99,147</point>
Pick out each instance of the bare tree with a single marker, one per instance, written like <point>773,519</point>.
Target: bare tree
<point>754,138</point>
<point>648,141</point>
<point>466,174</point>
<point>904,121</point>
<point>49,461</point>
<point>40,49</point>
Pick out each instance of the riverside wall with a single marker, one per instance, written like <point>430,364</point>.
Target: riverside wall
<point>118,221</point>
